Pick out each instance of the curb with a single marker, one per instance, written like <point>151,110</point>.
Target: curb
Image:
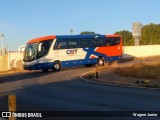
<point>99,81</point>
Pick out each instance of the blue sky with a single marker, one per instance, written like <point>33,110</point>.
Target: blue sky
<point>22,20</point>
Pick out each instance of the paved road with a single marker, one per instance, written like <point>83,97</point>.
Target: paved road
<point>65,91</point>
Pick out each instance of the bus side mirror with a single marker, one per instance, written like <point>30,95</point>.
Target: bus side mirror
<point>40,47</point>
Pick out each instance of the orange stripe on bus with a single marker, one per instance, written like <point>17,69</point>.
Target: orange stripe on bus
<point>41,39</point>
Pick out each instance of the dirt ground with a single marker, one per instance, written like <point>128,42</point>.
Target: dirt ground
<point>108,75</point>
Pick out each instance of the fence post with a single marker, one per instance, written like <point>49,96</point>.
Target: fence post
<point>12,105</point>
<point>96,71</point>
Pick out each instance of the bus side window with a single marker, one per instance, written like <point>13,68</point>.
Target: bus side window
<point>115,41</point>
<point>73,44</point>
<point>107,42</point>
<point>95,43</point>
<point>84,43</point>
<point>99,42</point>
<point>112,42</point>
<point>62,45</point>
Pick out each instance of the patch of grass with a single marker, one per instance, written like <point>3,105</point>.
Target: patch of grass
<point>156,85</point>
<point>152,86</point>
<point>147,85</point>
<point>141,70</point>
<point>112,65</point>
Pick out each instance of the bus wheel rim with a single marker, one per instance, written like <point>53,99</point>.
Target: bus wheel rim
<point>56,66</point>
<point>100,62</point>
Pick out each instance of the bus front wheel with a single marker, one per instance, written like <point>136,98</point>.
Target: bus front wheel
<point>100,61</point>
<point>57,66</point>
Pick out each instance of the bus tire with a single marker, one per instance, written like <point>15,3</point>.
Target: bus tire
<point>56,66</point>
<point>100,61</point>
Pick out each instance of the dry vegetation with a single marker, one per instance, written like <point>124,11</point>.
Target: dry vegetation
<point>141,70</point>
<point>109,66</point>
<point>148,70</point>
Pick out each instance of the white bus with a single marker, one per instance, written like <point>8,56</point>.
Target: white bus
<point>55,52</point>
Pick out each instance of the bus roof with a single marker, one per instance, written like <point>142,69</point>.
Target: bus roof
<point>69,36</point>
<point>41,39</point>
<point>113,35</point>
<point>79,36</point>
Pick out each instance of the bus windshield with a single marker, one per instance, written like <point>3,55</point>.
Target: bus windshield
<point>30,52</point>
<point>36,50</point>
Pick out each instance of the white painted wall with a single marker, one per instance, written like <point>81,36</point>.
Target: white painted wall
<point>14,57</point>
<point>141,51</point>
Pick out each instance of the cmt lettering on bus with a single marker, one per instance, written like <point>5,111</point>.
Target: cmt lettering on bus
<point>71,52</point>
<point>55,52</point>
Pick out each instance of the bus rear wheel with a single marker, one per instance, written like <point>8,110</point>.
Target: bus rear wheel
<point>57,66</point>
<point>100,61</point>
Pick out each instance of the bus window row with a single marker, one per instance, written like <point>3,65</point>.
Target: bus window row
<point>84,43</point>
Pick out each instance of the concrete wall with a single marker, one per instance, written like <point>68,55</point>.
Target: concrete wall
<point>3,62</point>
<point>141,51</point>
<point>13,59</point>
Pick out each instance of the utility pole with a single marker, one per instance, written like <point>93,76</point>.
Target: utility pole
<point>136,32</point>
<point>71,30</point>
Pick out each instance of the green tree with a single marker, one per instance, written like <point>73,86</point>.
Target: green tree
<point>87,32</point>
<point>128,40</point>
<point>150,34</point>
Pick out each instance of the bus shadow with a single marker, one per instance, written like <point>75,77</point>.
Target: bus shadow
<point>34,74</point>
<point>21,76</point>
